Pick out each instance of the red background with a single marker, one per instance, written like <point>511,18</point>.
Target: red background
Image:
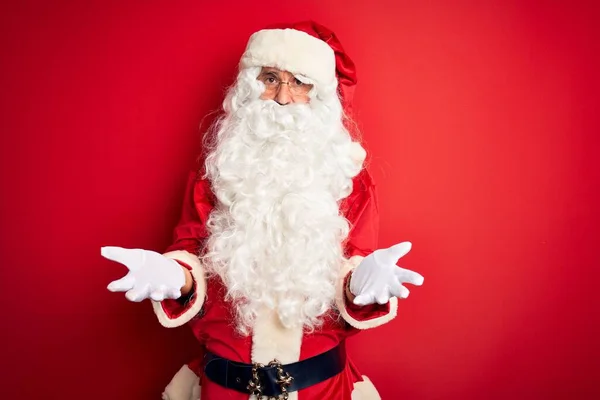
<point>482,122</point>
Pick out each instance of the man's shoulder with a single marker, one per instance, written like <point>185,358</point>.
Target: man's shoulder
<point>203,192</point>
<point>362,182</point>
<point>363,188</point>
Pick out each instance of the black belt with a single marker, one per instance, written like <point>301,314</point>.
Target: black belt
<point>274,379</point>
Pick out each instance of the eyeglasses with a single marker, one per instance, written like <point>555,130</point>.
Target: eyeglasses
<point>273,83</point>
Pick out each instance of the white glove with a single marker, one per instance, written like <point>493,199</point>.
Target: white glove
<point>150,274</point>
<point>377,278</point>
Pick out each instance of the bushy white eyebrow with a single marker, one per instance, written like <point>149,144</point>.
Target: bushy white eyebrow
<point>304,79</point>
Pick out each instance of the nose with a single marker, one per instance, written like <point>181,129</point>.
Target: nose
<point>283,96</point>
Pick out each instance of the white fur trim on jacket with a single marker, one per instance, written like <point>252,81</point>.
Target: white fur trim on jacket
<point>341,303</point>
<point>185,385</point>
<point>198,300</point>
<point>291,50</point>
<point>271,340</point>
<point>365,390</point>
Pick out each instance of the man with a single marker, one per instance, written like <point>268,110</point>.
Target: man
<point>274,263</point>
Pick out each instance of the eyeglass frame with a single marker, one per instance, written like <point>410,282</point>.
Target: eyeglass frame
<point>293,89</point>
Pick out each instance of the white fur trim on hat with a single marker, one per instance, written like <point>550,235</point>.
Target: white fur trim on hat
<point>291,50</point>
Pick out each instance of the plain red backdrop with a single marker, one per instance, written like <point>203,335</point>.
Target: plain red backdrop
<point>482,123</point>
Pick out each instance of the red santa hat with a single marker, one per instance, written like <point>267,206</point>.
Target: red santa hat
<point>304,48</point>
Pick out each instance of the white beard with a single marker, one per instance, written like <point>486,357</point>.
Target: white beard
<point>276,233</point>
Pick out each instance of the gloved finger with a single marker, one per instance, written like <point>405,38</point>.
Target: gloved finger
<point>122,285</point>
<point>397,290</point>
<point>383,297</point>
<point>131,258</point>
<point>158,294</point>
<point>399,250</point>
<point>363,300</point>
<point>408,276</point>
<point>173,294</point>
<point>138,294</point>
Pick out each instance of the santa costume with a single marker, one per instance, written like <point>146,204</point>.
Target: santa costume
<point>273,224</point>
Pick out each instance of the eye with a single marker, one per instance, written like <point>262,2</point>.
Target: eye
<point>269,79</point>
<point>298,82</point>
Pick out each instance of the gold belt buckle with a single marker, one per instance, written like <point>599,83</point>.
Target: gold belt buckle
<point>283,380</point>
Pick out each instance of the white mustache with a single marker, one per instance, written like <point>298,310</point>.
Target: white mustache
<point>292,117</point>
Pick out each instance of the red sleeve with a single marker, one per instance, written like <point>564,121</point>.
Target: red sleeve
<point>361,210</point>
<point>190,232</point>
<point>188,239</point>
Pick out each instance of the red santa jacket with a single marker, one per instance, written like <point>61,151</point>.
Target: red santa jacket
<point>210,316</point>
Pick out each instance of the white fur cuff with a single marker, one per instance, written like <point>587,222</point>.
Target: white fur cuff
<point>341,302</point>
<point>198,300</point>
